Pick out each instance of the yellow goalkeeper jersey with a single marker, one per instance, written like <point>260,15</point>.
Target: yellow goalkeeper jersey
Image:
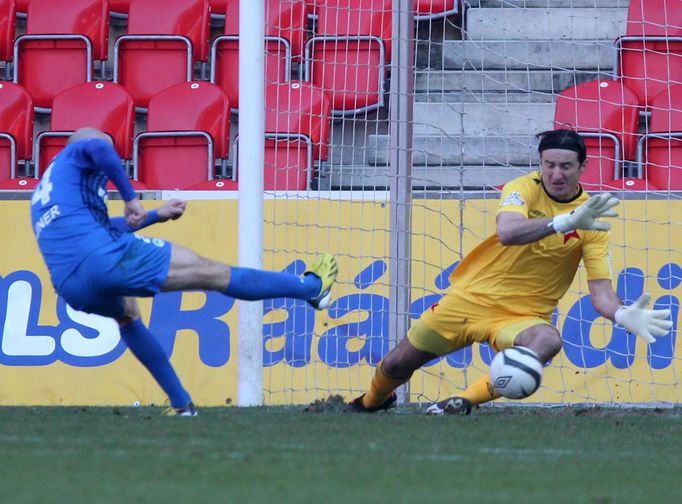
<point>530,279</point>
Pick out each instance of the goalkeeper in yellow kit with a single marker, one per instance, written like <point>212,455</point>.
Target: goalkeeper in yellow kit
<point>505,290</point>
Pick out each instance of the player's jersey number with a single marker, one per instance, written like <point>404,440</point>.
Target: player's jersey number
<point>44,188</point>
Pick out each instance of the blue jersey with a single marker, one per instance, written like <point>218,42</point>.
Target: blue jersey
<point>68,207</point>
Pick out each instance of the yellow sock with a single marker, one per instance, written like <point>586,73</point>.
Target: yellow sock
<point>380,388</point>
<point>481,391</point>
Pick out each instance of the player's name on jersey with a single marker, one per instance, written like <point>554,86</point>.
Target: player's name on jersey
<point>48,216</point>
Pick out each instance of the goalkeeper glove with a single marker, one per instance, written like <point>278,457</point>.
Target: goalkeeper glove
<point>637,319</point>
<point>584,216</point>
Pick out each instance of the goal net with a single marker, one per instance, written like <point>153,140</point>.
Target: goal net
<point>481,78</point>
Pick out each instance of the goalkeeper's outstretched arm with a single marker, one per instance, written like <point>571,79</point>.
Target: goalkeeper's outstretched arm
<point>515,229</point>
<point>637,318</point>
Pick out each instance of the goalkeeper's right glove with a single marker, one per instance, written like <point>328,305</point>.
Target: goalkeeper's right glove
<point>638,319</point>
<point>584,217</point>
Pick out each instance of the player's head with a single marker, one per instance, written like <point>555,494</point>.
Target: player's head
<point>87,132</point>
<point>563,158</point>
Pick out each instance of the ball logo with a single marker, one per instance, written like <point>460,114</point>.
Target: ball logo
<point>502,381</point>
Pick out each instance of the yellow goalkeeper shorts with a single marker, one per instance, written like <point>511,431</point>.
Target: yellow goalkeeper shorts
<point>454,322</point>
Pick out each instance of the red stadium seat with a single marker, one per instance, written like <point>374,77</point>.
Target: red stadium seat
<point>606,114</point>
<point>650,54</point>
<point>62,40</point>
<point>285,27</point>
<point>7,26</point>
<point>188,129</point>
<point>288,159</point>
<point>298,108</point>
<point>102,105</point>
<point>660,150</point>
<point>297,128</point>
<point>348,55</point>
<point>22,5</point>
<point>431,9</point>
<point>164,41</point>
<point>16,135</point>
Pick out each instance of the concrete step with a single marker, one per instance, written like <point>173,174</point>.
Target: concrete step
<point>512,81</point>
<point>514,4</point>
<point>547,23</point>
<point>489,151</point>
<point>470,96</point>
<point>453,177</point>
<point>348,137</point>
<point>482,119</point>
<point>523,55</point>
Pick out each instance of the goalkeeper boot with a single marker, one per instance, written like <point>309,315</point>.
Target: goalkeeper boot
<point>325,268</point>
<point>188,410</point>
<point>450,406</point>
<point>356,405</point>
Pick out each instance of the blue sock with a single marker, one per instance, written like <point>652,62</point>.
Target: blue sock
<point>252,284</point>
<point>150,353</point>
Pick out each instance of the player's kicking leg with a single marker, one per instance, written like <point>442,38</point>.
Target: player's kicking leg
<point>188,270</point>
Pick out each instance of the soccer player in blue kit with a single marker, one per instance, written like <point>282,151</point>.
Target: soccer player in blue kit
<point>98,265</point>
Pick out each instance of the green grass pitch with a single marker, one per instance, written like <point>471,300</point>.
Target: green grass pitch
<point>286,455</point>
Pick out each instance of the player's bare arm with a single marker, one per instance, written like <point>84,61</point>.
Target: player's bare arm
<point>604,298</point>
<point>515,229</point>
<point>172,210</point>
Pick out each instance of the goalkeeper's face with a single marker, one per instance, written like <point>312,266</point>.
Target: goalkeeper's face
<point>561,172</point>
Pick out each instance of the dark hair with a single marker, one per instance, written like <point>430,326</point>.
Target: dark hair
<point>563,139</point>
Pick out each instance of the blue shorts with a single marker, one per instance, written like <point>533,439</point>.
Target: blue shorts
<point>132,266</point>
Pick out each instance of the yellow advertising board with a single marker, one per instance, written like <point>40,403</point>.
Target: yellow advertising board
<point>52,354</point>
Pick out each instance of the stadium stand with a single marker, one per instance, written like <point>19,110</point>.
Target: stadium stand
<point>164,41</point>
<point>485,84</point>
<point>475,74</point>
<point>348,55</point>
<point>62,41</point>
<point>7,29</point>
<point>650,54</point>
<point>188,130</point>
<point>285,27</point>
<point>606,114</point>
<point>103,105</point>
<point>16,135</point>
<point>659,151</point>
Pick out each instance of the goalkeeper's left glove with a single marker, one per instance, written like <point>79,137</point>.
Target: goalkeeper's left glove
<point>586,215</point>
<point>638,319</point>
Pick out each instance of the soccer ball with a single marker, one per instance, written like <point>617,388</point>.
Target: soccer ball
<point>516,372</point>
